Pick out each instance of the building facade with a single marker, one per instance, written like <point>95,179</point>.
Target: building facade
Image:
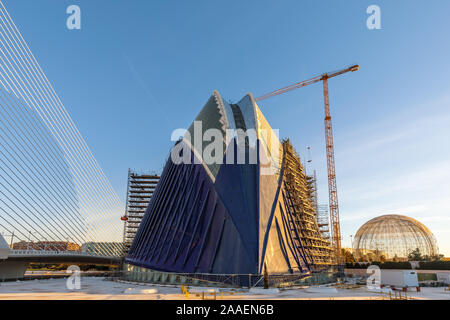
<point>246,212</point>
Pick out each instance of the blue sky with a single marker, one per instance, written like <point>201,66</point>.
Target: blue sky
<point>138,69</point>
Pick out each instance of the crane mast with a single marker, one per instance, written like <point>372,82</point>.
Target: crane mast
<point>332,188</point>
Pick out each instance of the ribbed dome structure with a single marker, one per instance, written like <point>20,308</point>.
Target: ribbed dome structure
<point>394,236</point>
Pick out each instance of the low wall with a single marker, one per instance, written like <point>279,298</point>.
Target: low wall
<point>12,270</point>
<point>363,272</point>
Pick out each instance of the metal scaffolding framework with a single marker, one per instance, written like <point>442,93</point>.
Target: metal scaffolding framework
<point>139,192</point>
<point>323,221</point>
<point>320,210</point>
<point>318,250</point>
<point>332,188</point>
<point>312,190</point>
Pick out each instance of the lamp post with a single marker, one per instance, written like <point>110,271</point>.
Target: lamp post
<point>29,240</point>
<point>12,238</point>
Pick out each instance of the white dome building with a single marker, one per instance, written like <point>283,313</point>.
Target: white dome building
<point>394,236</point>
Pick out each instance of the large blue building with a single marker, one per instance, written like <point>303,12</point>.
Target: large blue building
<point>248,211</point>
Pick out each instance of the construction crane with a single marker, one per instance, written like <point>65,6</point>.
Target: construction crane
<point>332,188</point>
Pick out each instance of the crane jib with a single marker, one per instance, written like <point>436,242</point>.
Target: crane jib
<point>332,188</point>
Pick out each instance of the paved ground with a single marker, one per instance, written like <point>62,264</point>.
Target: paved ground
<point>98,288</point>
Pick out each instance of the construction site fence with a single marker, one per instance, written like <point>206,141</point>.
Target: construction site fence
<point>142,275</point>
<point>52,274</point>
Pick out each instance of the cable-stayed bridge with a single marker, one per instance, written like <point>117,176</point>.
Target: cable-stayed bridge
<point>54,196</point>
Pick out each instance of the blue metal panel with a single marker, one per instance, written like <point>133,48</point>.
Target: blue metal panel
<point>190,237</point>
<point>236,186</point>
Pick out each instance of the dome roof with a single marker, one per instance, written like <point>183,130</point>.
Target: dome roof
<point>394,236</point>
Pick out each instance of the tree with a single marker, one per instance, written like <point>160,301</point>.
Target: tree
<point>415,255</point>
<point>378,256</point>
<point>364,258</point>
<point>436,257</point>
<point>348,256</point>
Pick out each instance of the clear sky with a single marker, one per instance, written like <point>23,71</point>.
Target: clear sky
<point>138,69</point>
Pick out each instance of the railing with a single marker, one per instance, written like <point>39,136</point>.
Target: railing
<point>53,253</point>
<point>53,274</point>
<point>138,274</point>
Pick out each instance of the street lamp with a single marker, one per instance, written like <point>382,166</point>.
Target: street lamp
<point>29,240</point>
<point>12,238</point>
<point>351,241</point>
